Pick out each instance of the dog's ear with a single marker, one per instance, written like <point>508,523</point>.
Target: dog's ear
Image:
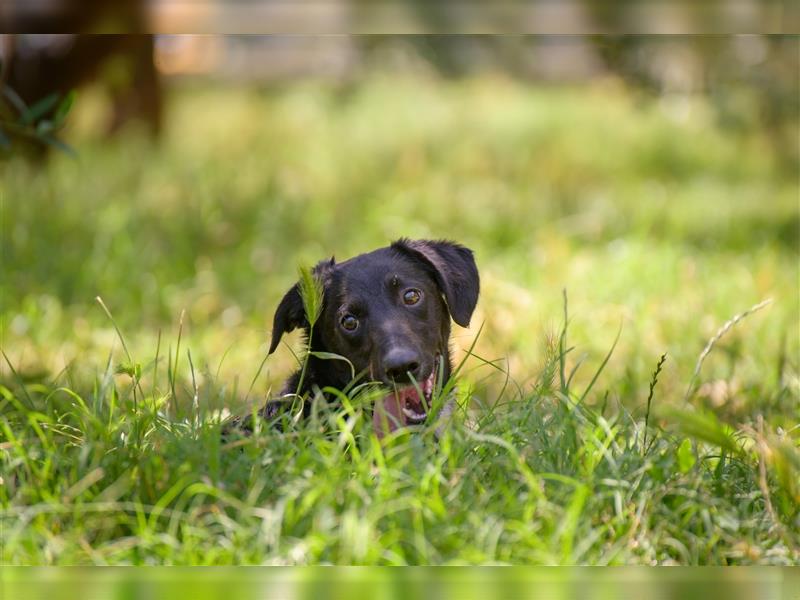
<point>290,313</point>
<point>288,316</point>
<point>455,272</point>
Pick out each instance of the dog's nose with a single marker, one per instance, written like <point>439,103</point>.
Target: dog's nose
<point>399,362</point>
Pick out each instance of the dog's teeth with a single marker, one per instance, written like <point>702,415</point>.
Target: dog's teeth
<point>414,416</point>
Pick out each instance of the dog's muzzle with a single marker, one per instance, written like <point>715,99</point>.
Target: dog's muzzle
<point>407,405</point>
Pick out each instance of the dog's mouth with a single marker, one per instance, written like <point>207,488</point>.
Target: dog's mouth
<point>414,408</point>
<point>406,405</point>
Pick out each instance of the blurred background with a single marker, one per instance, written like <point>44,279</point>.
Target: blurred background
<point>529,583</point>
<point>182,178</point>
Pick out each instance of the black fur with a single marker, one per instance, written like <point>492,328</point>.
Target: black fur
<point>392,339</point>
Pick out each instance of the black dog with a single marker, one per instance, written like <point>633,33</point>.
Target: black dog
<point>387,312</point>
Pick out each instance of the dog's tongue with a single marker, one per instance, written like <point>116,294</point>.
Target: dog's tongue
<point>409,396</point>
<point>388,412</point>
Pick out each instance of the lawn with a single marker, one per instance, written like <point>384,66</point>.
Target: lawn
<point>610,228</point>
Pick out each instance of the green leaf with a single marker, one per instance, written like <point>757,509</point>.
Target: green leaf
<point>705,426</point>
<point>39,109</point>
<point>63,108</point>
<point>332,356</point>
<point>686,458</point>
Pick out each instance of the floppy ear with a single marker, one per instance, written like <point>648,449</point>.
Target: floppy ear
<point>455,272</point>
<point>290,313</point>
<point>288,316</point>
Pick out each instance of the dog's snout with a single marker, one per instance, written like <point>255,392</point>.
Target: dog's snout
<point>399,363</point>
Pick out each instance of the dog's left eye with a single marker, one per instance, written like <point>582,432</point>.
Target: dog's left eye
<point>411,297</point>
<point>349,322</point>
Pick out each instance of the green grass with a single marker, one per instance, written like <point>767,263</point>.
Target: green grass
<point>659,224</point>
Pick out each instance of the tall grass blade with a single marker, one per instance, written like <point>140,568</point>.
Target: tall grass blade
<point>653,381</point>
<point>716,338</point>
<point>311,293</point>
<point>602,366</point>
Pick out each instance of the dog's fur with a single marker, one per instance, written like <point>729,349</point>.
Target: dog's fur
<point>397,341</point>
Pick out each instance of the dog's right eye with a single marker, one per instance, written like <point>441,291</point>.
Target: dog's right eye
<point>349,323</point>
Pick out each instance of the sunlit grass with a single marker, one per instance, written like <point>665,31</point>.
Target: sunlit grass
<point>660,225</point>
<point>100,476</point>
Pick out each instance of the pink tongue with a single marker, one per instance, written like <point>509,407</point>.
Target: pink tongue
<point>388,412</point>
<point>410,398</point>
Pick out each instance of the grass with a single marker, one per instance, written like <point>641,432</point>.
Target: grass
<point>575,443</point>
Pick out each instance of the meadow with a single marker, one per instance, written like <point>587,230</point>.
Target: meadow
<point>629,389</point>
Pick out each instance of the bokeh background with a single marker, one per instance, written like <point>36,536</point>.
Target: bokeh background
<point>628,199</point>
<point>653,179</point>
<point>386,584</point>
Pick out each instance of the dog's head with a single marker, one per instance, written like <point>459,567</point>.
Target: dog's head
<point>388,312</point>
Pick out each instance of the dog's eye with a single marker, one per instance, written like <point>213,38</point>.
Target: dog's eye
<point>411,297</point>
<point>349,322</point>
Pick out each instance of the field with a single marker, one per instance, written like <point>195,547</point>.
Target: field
<point>610,229</point>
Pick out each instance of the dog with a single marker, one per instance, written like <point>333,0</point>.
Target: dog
<point>388,313</point>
